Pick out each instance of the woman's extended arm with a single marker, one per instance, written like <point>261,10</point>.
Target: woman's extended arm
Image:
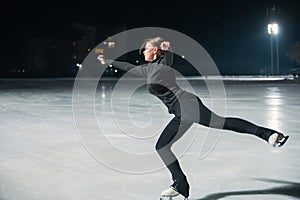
<point>138,70</point>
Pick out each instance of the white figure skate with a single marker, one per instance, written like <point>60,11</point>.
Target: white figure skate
<point>277,139</point>
<point>169,193</point>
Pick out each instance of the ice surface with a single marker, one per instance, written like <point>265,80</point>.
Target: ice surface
<point>56,144</point>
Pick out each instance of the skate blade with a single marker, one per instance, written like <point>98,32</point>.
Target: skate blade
<point>282,141</point>
<point>166,198</point>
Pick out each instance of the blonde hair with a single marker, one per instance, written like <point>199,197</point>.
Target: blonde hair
<point>155,42</point>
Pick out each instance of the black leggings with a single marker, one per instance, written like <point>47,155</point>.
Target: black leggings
<point>177,127</point>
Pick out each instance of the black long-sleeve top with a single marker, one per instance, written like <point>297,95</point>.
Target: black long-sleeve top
<point>161,80</point>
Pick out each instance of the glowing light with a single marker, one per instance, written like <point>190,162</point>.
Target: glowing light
<point>79,65</point>
<point>111,44</point>
<point>273,29</point>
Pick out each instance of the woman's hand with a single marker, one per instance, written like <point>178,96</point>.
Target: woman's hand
<point>165,45</point>
<point>101,59</point>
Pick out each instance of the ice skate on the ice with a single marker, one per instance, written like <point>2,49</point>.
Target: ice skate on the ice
<point>175,189</point>
<point>277,139</point>
<point>168,194</point>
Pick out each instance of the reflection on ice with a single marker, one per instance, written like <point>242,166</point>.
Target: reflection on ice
<point>274,101</point>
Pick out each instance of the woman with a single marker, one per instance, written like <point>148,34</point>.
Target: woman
<point>186,107</point>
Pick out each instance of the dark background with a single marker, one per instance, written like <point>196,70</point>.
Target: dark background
<point>234,33</point>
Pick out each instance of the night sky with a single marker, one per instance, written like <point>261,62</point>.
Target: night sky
<point>234,33</point>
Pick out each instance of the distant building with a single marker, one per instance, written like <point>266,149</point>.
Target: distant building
<point>58,56</point>
<point>107,46</point>
<point>41,56</point>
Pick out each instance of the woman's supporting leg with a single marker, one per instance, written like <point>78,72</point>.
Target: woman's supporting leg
<point>172,132</point>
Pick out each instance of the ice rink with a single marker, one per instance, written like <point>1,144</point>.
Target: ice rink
<point>57,143</point>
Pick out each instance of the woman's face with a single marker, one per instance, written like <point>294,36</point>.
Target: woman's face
<point>149,52</point>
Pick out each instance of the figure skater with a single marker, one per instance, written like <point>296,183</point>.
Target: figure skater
<point>186,107</point>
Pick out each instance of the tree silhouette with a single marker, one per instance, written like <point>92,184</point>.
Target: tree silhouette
<point>295,53</point>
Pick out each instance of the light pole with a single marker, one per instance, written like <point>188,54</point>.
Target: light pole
<point>277,55</point>
<point>273,30</point>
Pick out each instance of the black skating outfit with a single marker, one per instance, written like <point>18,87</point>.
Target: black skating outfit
<point>187,109</point>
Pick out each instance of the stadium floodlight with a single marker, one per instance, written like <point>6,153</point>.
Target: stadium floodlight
<point>273,29</point>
